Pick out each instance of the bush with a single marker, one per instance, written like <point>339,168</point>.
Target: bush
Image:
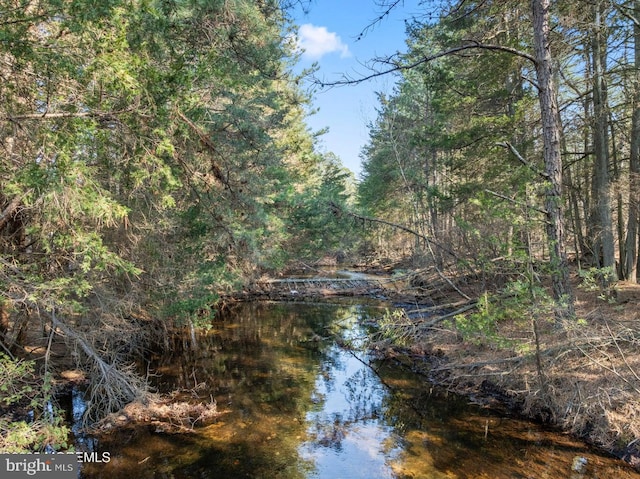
<point>29,421</point>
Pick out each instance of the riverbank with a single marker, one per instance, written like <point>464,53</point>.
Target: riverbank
<point>581,376</point>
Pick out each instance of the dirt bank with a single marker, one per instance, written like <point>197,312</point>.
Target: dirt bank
<point>582,375</point>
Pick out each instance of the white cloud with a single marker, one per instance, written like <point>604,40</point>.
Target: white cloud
<point>315,42</point>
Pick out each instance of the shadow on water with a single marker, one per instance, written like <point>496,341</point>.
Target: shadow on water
<point>294,404</point>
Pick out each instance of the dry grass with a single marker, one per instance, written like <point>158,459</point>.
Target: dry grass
<point>587,379</point>
<point>164,414</point>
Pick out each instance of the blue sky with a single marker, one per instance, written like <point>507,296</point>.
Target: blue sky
<point>328,33</point>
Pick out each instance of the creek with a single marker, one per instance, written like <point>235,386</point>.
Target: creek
<point>299,398</point>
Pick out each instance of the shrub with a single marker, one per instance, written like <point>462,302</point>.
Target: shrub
<point>29,421</point>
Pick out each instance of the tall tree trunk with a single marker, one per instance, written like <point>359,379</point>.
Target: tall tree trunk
<point>615,186</point>
<point>631,243</point>
<point>585,167</point>
<point>603,242</point>
<point>574,210</point>
<point>552,160</point>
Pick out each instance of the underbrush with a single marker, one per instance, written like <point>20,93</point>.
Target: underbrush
<point>581,374</point>
<point>29,420</point>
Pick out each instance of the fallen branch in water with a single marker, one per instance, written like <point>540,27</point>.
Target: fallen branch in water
<point>167,415</point>
<point>113,385</point>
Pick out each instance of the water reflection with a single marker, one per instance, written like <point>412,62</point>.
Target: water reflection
<point>297,405</point>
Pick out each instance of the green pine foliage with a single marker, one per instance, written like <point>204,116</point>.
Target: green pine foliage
<point>436,161</point>
<point>22,394</point>
<point>153,157</point>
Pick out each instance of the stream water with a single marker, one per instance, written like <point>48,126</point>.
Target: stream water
<point>296,403</point>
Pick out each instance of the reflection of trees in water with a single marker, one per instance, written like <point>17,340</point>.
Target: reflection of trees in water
<point>348,395</point>
<point>366,395</point>
<point>329,433</point>
<point>275,382</point>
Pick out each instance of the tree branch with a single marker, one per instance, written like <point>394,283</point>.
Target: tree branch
<point>206,141</point>
<point>9,210</point>
<point>520,158</point>
<point>389,7</point>
<point>63,114</point>
<point>511,200</point>
<point>397,67</point>
<point>338,210</point>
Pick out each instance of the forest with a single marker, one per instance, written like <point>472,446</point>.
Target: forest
<point>155,161</point>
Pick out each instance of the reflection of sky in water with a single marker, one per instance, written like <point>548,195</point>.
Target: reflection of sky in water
<point>78,408</point>
<point>347,435</point>
<point>296,405</point>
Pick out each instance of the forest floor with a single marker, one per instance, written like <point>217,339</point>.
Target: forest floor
<point>582,376</point>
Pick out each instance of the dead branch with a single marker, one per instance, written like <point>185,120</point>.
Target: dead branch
<point>113,385</point>
<point>511,200</point>
<point>206,141</point>
<point>608,368</point>
<point>470,305</point>
<point>9,210</point>
<point>438,307</point>
<point>429,241</point>
<point>100,115</point>
<point>622,355</point>
<point>480,364</point>
<point>522,160</point>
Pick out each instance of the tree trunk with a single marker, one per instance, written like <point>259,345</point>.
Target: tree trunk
<point>603,242</point>
<point>631,243</point>
<point>552,160</point>
<point>619,221</point>
<point>4,323</point>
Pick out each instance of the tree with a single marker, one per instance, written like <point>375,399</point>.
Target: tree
<point>469,26</point>
<point>552,157</point>
<point>604,246</point>
<point>145,145</point>
<point>631,245</point>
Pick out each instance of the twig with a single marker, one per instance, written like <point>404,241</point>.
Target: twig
<point>624,358</point>
<point>480,364</point>
<point>604,366</point>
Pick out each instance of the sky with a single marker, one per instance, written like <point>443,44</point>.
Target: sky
<point>328,34</point>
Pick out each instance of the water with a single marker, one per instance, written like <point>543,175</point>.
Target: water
<point>296,404</point>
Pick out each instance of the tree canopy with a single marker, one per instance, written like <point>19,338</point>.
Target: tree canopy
<point>510,136</point>
<point>154,156</point>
